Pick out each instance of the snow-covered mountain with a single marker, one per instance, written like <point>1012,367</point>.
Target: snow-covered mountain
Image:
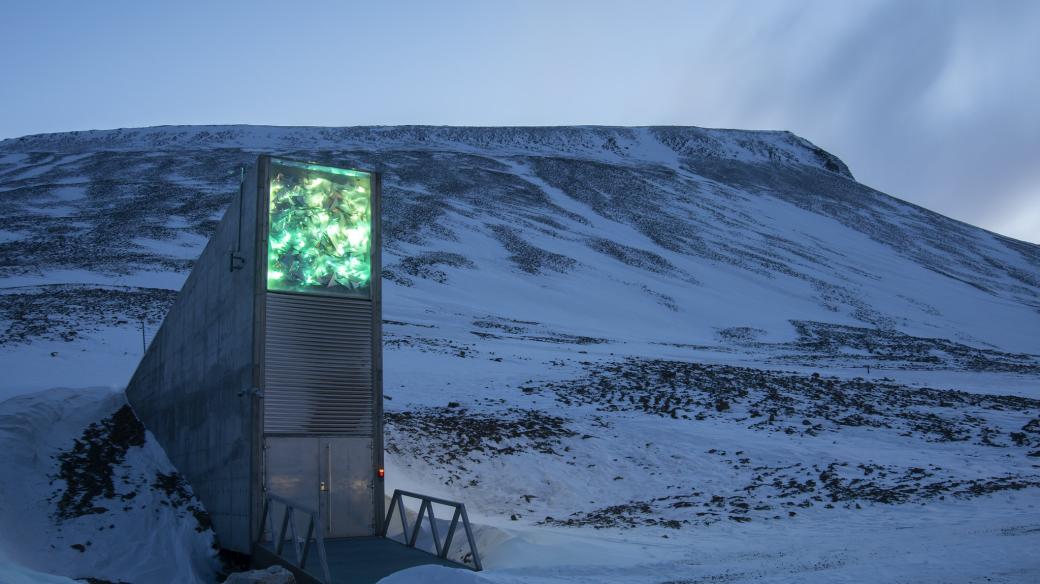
<point>598,337</point>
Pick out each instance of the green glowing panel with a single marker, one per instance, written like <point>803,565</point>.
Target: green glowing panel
<point>320,236</point>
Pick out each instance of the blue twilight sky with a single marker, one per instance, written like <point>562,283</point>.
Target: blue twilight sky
<point>936,102</point>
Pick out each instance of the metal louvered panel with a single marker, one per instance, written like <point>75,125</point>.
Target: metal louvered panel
<point>318,365</point>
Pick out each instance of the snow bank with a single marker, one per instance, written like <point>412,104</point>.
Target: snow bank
<point>86,493</point>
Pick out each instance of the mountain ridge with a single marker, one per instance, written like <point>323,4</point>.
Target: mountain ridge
<point>683,213</point>
<point>763,145</point>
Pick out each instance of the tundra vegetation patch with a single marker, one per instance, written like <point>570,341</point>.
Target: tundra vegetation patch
<point>93,479</point>
<point>454,437</point>
<point>795,403</point>
<point>781,492</point>
<point>69,312</point>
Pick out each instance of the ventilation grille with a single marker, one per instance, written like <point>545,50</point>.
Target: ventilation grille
<point>318,366</point>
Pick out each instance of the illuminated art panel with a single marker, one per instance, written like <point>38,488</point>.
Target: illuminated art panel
<point>320,236</point>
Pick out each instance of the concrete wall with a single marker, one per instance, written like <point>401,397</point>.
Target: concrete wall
<point>192,388</point>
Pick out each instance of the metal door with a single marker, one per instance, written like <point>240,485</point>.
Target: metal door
<point>292,467</point>
<point>347,503</point>
<point>331,475</point>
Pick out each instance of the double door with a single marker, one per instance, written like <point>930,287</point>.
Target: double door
<point>334,476</point>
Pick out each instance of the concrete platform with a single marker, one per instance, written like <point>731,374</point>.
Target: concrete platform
<point>352,560</point>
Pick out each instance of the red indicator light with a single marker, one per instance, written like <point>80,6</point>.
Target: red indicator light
<point>382,473</point>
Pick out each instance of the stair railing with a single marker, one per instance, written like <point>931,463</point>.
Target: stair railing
<point>315,533</point>
<point>426,510</point>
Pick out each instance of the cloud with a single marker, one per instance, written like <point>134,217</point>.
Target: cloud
<point>933,102</point>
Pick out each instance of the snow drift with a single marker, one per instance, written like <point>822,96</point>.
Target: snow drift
<point>88,493</point>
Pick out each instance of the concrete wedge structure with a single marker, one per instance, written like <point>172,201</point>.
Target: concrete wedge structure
<point>265,378</point>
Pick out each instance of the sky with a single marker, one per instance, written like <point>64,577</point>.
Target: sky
<point>935,102</point>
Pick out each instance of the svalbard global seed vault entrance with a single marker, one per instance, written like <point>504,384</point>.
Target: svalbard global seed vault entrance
<point>264,382</point>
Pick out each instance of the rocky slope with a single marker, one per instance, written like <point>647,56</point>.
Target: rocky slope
<point>653,339</point>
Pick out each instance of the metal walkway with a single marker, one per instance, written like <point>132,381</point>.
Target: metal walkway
<point>315,559</point>
<point>354,560</point>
